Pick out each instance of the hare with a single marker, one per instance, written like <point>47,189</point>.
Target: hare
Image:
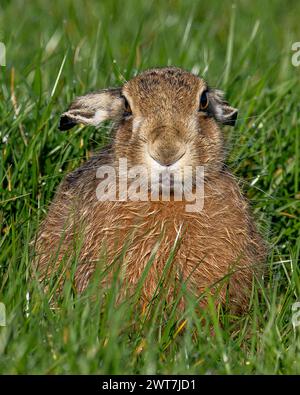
<point>164,119</point>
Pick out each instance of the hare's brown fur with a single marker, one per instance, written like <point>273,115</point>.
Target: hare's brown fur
<point>165,126</point>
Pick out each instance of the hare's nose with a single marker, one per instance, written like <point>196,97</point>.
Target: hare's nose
<point>166,146</point>
<point>166,160</point>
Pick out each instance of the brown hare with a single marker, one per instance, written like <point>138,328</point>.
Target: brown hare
<point>165,118</point>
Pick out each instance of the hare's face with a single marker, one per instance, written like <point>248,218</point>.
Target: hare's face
<point>170,121</point>
<point>167,119</point>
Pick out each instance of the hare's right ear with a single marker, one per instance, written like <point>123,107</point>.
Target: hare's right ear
<point>93,108</point>
<point>220,108</point>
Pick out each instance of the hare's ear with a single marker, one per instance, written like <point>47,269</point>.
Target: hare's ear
<point>220,108</point>
<point>93,108</point>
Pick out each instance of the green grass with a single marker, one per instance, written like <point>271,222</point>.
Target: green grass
<point>59,49</point>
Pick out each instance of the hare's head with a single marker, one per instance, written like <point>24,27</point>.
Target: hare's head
<point>166,118</point>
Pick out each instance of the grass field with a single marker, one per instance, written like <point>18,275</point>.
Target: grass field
<point>56,50</point>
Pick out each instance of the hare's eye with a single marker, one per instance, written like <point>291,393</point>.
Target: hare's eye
<point>127,109</point>
<point>203,101</point>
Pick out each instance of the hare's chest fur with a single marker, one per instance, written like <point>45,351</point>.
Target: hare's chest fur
<point>200,246</point>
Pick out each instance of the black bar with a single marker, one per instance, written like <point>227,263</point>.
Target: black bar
<point>134,384</point>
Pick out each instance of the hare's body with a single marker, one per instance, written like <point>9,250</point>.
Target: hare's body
<point>207,246</point>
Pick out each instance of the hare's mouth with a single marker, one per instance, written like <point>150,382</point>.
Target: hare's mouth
<point>169,164</point>
<point>165,177</point>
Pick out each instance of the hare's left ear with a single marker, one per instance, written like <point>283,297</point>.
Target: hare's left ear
<point>93,109</point>
<point>220,108</point>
